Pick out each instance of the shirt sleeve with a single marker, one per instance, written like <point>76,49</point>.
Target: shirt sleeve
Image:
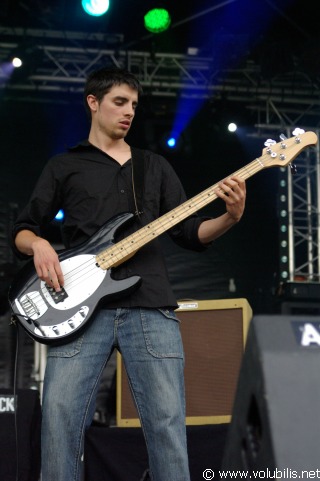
<point>41,208</point>
<point>185,234</point>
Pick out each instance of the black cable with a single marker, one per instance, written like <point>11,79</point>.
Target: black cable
<point>15,399</point>
<point>146,475</point>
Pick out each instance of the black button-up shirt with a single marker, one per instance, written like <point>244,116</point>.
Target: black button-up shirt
<point>91,188</point>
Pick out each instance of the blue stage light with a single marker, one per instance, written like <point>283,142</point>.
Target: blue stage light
<point>60,215</point>
<point>95,8</point>
<point>171,142</point>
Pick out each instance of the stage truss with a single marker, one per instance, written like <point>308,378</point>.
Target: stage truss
<point>299,201</point>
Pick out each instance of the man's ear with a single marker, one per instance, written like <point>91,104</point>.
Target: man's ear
<point>92,103</point>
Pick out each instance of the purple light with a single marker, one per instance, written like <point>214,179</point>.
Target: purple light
<point>7,68</point>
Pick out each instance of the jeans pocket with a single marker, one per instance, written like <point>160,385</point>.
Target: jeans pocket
<point>161,329</point>
<point>66,350</point>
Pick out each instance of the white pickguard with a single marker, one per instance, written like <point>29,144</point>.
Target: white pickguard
<point>82,278</point>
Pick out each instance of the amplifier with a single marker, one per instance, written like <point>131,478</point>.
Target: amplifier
<point>300,291</point>
<point>214,334</point>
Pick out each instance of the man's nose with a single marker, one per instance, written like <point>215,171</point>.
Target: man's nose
<point>130,110</point>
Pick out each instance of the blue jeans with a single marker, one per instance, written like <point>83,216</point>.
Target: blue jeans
<point>150,343</point>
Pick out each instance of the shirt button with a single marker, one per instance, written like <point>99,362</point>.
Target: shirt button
<point>122,191</point>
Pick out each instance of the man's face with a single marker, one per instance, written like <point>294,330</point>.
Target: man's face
<point>114,115</point>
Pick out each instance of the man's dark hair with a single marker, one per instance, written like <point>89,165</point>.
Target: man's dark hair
<point>100,82</point>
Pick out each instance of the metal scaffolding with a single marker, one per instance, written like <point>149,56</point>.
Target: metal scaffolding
<point>299,207</point>
<point>59,61</point>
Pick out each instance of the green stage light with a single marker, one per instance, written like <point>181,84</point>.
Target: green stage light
<point>157,20</point>
<point>95,7</point>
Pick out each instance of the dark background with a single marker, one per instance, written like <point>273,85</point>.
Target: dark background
<point>281,38</point>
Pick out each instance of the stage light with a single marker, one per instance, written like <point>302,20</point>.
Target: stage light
<point>157,20</point>
<point>95,8</point>
<point>232,127</point>
<point>16,62</point>
<point>60,215</point>
<point>284,226</point>
<point>171,142</point>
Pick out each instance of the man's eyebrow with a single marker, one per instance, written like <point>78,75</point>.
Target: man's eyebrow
<point>119,97</point>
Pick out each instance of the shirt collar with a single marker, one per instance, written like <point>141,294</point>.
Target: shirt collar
<point>84,144</point>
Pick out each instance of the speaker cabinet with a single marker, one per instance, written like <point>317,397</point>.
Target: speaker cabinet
<point>213,334</point>
<point>275,420</point>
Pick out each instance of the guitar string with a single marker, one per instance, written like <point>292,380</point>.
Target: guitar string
<point>201,200</point>
<point>76,281</point>
<point>196,203</point>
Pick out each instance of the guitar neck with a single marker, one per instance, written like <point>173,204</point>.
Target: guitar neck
<point>126,248</point>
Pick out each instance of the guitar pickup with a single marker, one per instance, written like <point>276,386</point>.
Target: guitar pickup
<point>59,296</point>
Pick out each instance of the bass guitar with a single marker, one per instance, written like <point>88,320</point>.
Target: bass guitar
<point>56,317</point>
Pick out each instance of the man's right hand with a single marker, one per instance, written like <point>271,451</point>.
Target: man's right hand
<point>46,260</point>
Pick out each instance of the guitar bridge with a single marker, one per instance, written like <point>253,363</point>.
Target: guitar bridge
<point>31,305</point>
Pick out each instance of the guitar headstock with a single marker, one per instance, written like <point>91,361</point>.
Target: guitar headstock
<point>284,152</point>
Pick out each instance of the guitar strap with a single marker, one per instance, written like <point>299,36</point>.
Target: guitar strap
<point>138,178</point>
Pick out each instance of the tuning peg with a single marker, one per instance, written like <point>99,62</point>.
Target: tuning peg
<point>269,142</point>
<point>298,131</point>
<point>283,137</point>
<point>293,169</point>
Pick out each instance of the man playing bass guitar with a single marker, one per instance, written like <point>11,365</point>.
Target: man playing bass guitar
<point>93,182</point>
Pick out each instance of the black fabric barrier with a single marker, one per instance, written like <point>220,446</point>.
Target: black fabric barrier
<point>28,433</point>
<point>119,454</point>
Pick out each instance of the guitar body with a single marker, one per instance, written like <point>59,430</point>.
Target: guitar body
<point>51,317</point>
